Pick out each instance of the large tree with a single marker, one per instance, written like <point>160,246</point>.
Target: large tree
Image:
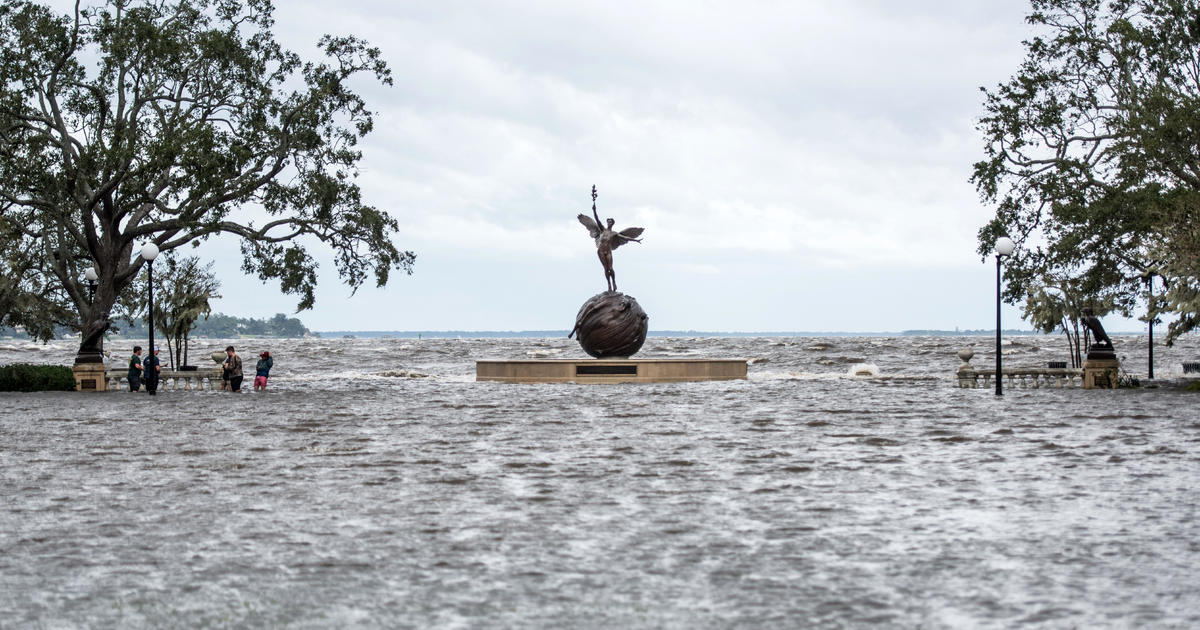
<point>1092,153</point>
<point>172,121</point>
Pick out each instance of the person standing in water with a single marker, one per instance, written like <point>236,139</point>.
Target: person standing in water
<point>135,369</point>
<point>262,370</point>
<point>151,369</point>
<point>233,368</point>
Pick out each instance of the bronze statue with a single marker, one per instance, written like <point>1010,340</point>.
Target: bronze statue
<point>1098,334</point>
<point>611,325</point>
<point>607,240</point>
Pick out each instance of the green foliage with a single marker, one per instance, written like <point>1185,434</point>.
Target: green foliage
<point>28,297</point>
<point>219,325</point>
<point>1058,304</point>
<point>1194,386</point>
<point>1092,155</point>
<point>23,377</point>
<point>182,290</point>
<point>278,326</point>
<point>173,121</point>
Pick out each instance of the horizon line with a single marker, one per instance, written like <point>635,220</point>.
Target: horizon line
<point>690,332</point>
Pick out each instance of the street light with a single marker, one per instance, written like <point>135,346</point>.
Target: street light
<point>1004,247</point>
<point>149,253</point>
<point>92,276</point>
<point>1150,315</point>
<point>91,350</point>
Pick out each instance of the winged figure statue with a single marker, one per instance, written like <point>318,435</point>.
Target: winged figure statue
<point>607,240</point>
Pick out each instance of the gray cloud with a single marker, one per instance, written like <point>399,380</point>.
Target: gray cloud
<point>767,137</point>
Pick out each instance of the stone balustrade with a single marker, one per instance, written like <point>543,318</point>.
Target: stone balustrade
<point>118,379</point>
<point>1023,377</point>
<point>170,379</point>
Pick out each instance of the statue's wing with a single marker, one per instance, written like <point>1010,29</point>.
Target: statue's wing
<point>631,233</point>
<point>592,228</point>
<point>626,235</point>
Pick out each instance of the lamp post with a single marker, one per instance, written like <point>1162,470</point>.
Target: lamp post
<point>149,253</point>
<point>1004,247</point>
<point>1150,316</point>
<point>89,370</point>
<point>92,276</point>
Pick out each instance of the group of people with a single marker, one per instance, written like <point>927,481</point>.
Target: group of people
<point>144,372</point>
<point>147,371</point>
<point>231,371</point>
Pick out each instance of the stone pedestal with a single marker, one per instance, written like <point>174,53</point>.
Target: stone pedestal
<point>1100,373</point>
<point>90,377</point>
<point>609,370</point>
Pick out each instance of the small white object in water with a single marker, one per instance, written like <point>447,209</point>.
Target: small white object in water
<point>863,369</point>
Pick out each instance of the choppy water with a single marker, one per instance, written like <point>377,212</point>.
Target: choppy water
<point>356,493</point>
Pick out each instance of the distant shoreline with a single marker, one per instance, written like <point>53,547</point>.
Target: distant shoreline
<point>500,334</point>
<point>549,334</point>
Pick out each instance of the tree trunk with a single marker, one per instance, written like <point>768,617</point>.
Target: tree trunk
<point>1070,345</point>
<point>172,345</point>
<point>93,324</point>
<point>1078,358</point>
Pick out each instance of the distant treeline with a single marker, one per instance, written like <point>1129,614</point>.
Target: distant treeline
<point>225,326</point>
<point>217,325</point>
<point>966,333</point>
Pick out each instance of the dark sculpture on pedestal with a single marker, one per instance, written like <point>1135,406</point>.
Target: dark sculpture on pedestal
<point>1102,346</point>
<point>607,240</point>
<point>610,324</point>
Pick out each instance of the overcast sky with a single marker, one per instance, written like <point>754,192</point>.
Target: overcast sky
<point>796,165</point>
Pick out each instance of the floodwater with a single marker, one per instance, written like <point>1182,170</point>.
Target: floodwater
<point>375,484</point>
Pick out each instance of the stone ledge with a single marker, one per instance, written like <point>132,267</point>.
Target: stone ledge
<point>609,370</point>
<point>169,379</point>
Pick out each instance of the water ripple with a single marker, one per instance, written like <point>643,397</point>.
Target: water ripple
<point>371,497</point>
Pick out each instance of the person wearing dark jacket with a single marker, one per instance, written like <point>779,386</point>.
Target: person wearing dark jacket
<point>262,370</point>
<point>135,369</point>
<point>151,368</point>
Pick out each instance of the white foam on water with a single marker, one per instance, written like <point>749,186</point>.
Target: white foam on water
<point>867,370</point>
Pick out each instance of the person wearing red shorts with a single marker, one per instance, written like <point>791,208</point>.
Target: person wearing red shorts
<point>262,370</point>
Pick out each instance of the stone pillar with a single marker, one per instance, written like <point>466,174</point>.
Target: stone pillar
<point>90,377</point>
<point>966,372</point>
<point>1100,373</point>
<point>1101,368</point>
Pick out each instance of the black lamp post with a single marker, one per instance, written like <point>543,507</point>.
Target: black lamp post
<point>1150,287</point>
<point>91,352</point>
<point>149,253</point>
<point>1004,247</point>
<point>89,370</point>
<point>92,276</point>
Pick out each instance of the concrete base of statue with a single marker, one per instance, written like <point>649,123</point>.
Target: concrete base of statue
<point>90,377</point>
<point>1100,373</point>
<point>609,370</point>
